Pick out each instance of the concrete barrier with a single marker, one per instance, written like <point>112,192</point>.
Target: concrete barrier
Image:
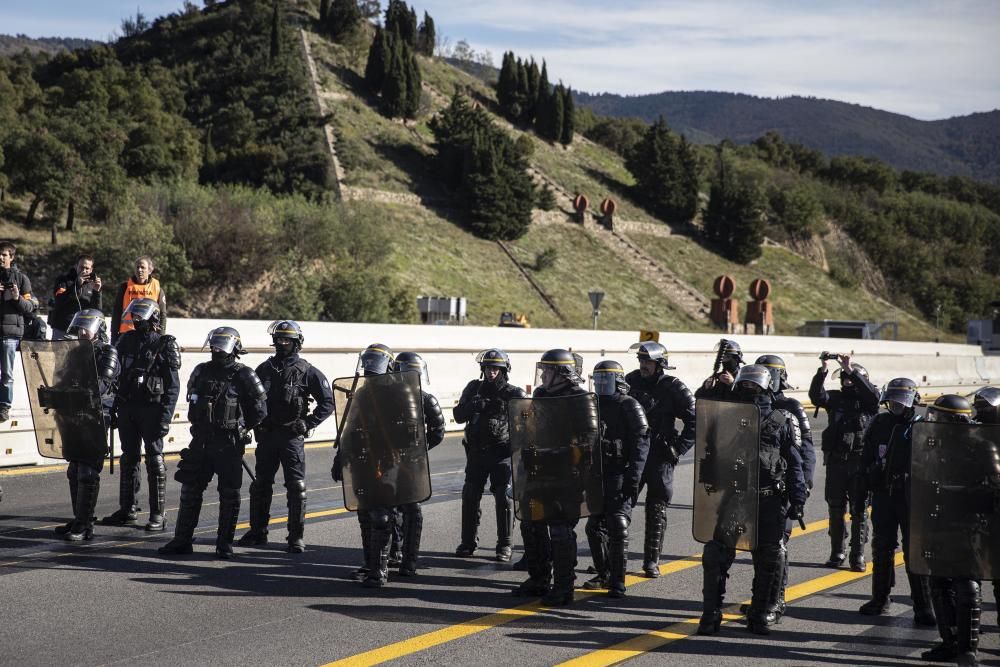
<point>450,353</point>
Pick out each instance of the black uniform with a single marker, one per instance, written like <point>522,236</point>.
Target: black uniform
<point>291,383</point>
<point>226,400</point>
<point>377,523</point>
<point>147,396</point>
<point>483,409</point>
<point>625,448</point>
<point>85,474</point>
<point>665,399</point>
<point>886,460</point>
<point>850,409</point>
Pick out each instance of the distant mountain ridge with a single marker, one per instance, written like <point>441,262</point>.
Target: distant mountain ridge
<point>963,145</point>
<point>13,44</point>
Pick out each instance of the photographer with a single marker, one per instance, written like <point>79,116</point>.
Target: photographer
<point>77,289</point>
<point>15,303</point>
<point>142,285</point>
<point>849,408</point>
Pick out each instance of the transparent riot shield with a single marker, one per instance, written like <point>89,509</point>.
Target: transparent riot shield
<point>727,440</point>
<point>955,500</point>
<point>556,457</point>
<point>383,446</point>
<point>65,399</point>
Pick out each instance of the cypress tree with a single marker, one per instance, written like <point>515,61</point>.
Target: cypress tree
<point>375,67</point>
<point>544,93</point>
<point>530,106</point>
<point>666,174</point>
<point>556,121</point>
<point>411,28</point>
<point>324,9</point>
<point>342,18</point>
<point>394,84</point>
<point>275,32</point>
<point>414,90</point>
<point>507,83</point>
<point>521,99</point>
<point>568,125</point>
<point>428,35</point>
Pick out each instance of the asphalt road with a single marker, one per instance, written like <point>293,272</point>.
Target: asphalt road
<point>114,600</point>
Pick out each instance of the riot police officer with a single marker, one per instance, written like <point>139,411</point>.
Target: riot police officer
<point>728,359</point>
<point>291,383</point>
<point>665,399</point>
<point>624,448</point>
<point>411,514</point>
<point>849,409</point>
<point>482,407</point>
<point>782,495</point>
<point>986,403</point>
<point>957,601</point>
<point>885,458</point>
<point>85,475</point>
<point>550,547</point>
<point>226,400</point>
<point>147,396</point>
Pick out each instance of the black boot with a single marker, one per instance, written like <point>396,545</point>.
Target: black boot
<point>157,478</point>
<point>229,514</point>
<point>187,521</point>
<point>128,488</point>
<point>364,524</point>
<point>380,539</point>
<point>942,599</point>
<point>715,570</point>
<point>617,566</point>
<point>505,526</point>
<point>768,561</point>
<point>260,515</point>
<point>597,538</point>
<point>970,609</point>
<point>883,578</point>
<point>413,527</point>
<point>920,593</point>
<point>74,484</point>
<point>656,526</point>
<point>296,517</point>
<point>563,567</point>
<point>838,537</point>
<point>470,522</point>
<point>537,559</point>
<point>86,502</point>
<point>859,538</point>
<point>395,537</point>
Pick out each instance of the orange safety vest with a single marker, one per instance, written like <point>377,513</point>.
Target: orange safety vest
<point>133,291</point>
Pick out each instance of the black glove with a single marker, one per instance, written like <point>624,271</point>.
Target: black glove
<point>164,430</point>
<point>337,471</point>
<point>631,493</point>
<point>795,512</point>
<point>478,404</point>
<point>299,427</point>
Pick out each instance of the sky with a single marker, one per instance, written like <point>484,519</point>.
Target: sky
<point>928,60</point>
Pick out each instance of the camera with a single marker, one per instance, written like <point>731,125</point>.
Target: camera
<point>829,356</point>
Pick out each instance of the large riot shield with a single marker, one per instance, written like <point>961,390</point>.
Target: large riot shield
<point>955,500</point>
<point>65,399</point>
<point>383,445</point>
<point>727,441</point>
<point>556,457</point>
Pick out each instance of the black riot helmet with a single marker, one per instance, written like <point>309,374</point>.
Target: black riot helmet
<point>225,340</point>
<point>376,359</point>
<point>900,395</point>
<point>557,365</point>
<point>286,329</point>
<point>776,366</point>
<point>413,362</point>
<point>493,358</point>
<point>987,405</point>
<point>950,408</point>
<point>845,380</point>
<point>609,378</point>
<point>753,378</point>
<point>652,351</point>
<point>729,354</point>
<point>142,311</point>
<point>91,321</point>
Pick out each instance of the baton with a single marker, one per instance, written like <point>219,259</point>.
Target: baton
<point>247,468</point>
<point>802,523</point>
<point>112,434</point>
<point>347,407</point>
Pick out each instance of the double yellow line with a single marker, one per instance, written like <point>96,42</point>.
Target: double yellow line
<point>483,623</point>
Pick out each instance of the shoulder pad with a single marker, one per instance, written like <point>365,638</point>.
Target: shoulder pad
<point>193,379</point>
<point>249,381</point>
<point>170,351</point>
<point>108,362</point>
<point>635,416</point>
<point>433,416</point>
<point>513,391</point>
<point>793,424</point>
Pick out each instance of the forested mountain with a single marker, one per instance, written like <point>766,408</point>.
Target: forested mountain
<point>964,145</point>
<point>13,44</point>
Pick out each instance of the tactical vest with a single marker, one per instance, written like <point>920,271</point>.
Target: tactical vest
<point>142,381</point>
<point>614,431</point>
<point>287,393</point>
<point>489,427</point>
<point>214,398</point>
<point>772,464</point>
<point>847,425</point>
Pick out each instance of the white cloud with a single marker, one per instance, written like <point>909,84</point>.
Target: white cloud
<point>928,60</point>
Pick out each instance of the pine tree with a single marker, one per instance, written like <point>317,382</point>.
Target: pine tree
<point>427,36</point>
<point>666,174</point>
<point>568,124</point>
<point>734,219</point>
<point>275,32</point>
<point>324,9</point>
<point>343,18</point>
<point>377,58</point>
<point>414,91</point>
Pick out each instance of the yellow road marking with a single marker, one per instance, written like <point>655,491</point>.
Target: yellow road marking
<point>483,623</point>
<point>651,641</point>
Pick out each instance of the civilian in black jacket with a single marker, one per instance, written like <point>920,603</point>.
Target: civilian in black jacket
<point>77,289</point>
<point>15,304</point>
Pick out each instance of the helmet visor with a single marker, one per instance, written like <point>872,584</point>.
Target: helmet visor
<point>284,329</point>
<point>140,309</point>
<point>493,358</point>
<point>374,361</point>
<point>754,374</point>
<point>419,367</point>
<point>85,321</point>
<point>902,395</point>
<point>222,340</point>
<point>606,382</point>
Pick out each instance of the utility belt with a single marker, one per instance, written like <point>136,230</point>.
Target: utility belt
<point>145,385</point>
<point>613,452</point>
<point>777,489</point>
<point>221,412</point>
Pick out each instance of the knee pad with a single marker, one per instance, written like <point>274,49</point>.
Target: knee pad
<point>618,525</point>
<point>470,494</point>
<point>560,532</point>
<point>714,555</point>
<point>297,486</point>
<point>380,519</point>
<point>155,465</point>
<point>228,495</point>
<point>412,511</point>
<point>87,473</point>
